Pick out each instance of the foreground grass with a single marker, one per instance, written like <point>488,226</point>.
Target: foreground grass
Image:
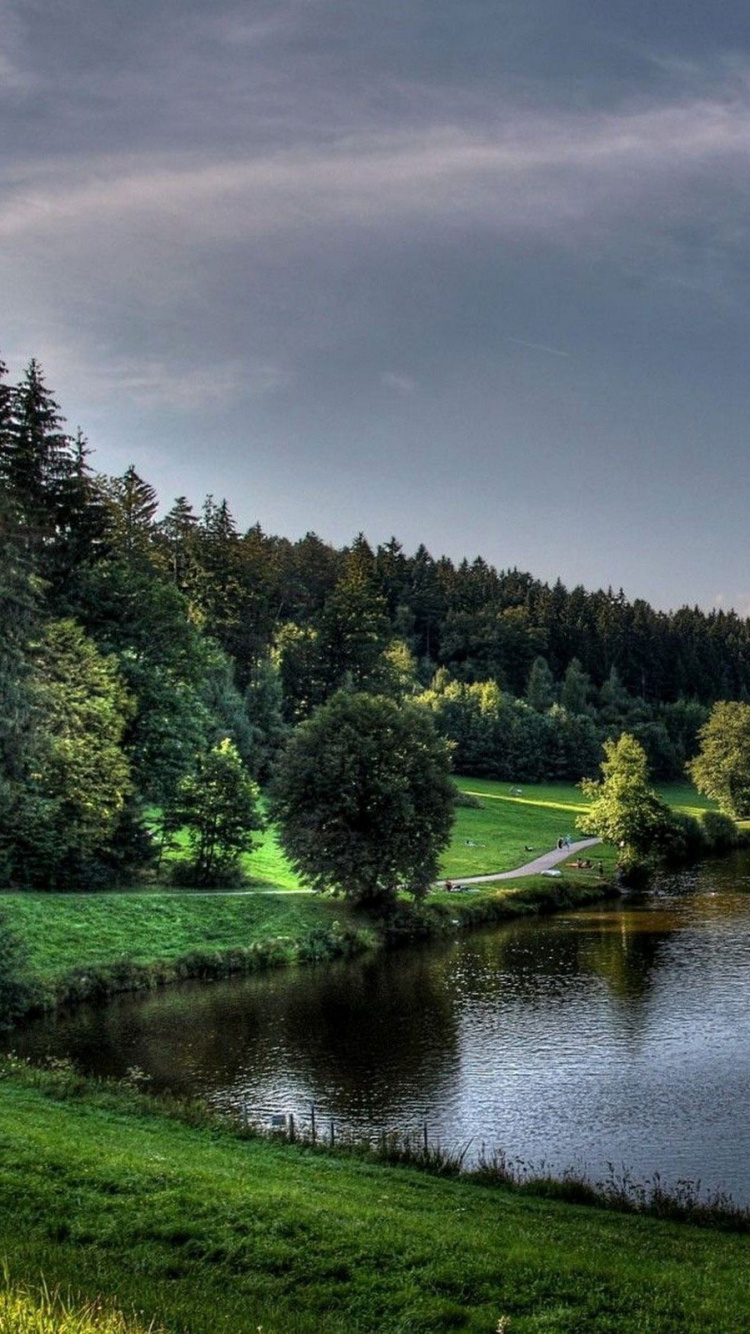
<point>496,836</point>
<point>200,1230</point>
<point>36,1310</point>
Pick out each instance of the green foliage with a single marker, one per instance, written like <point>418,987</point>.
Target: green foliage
<point>721,768</point>
<point>364,800</point>
<point>218,805</point>
<point>264,708</point>
<point>720,831</point>
<point>36,456</point>
<point>77,777</point>
<point>131,504</point>
<point>625,811</point>
<point>540,690</point>
<point>498,736</point>
<point>575,691</point>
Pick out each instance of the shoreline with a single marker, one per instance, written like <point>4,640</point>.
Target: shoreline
<point>197,1224</point>
<point>321,943</point>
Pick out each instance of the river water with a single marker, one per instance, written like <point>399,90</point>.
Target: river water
<point>618,1035</point>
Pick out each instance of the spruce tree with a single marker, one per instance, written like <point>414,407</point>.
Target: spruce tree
<point>131,506</point>
<point>36,458</point>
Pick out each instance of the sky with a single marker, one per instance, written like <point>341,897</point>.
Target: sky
<point>475,273</point>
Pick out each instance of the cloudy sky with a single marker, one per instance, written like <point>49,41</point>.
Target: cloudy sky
<point>473,272</point>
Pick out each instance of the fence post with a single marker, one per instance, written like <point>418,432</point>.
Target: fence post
<point>312,1121</point>
<point>425,1139</point>
<point>333,1134</point>
<point>291,1127</point>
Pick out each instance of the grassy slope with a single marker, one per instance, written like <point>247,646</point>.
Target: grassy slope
<point>63,931</point>
<point>202,1231</point>
<point>495,837</point>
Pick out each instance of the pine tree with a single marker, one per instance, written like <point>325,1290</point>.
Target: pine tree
<point>179,533</point>
<point>131,506</point>
<point>36,456</point>
<point>540,691</point>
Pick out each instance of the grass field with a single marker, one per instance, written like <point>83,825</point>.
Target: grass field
<point>66,931</point>
<point>495,837</point>
<point>200,1231</point>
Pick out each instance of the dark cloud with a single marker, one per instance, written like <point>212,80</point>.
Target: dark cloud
<point>475,274</point>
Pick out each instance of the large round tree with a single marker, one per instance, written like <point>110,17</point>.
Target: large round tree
<point>364,800</point>
<point>721,769</point>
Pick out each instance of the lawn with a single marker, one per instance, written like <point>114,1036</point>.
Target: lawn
<point>493,838</point>
<point>497,836</point>
<point>66,931</point>
<point>198,1230</point>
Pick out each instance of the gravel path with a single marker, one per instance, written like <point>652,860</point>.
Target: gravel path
<point>539,864</point>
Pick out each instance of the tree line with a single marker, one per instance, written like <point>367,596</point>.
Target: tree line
<point>143,655</point>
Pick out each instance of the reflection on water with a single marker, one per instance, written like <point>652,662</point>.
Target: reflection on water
<point>614,1035</point>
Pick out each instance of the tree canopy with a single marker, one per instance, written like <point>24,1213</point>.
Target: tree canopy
<point>625,810</point>
<point>364,800</point>
<point>721,769</point>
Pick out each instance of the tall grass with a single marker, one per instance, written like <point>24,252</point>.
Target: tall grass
<point>37,1310</point>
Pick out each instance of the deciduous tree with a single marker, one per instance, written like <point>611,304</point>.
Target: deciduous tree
<point>218,804</point>
<point>721,769</point>
<point>625,810</point>
<point>364,799</point>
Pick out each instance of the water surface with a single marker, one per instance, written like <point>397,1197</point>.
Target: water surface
<point>618,1034</point>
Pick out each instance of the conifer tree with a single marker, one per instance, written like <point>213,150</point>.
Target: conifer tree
<point>36,456</point>
<point>131,506</point>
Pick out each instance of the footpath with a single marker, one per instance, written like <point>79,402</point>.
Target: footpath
<point>543,863</point>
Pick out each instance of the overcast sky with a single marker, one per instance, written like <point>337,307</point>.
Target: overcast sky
<point>471,272</point>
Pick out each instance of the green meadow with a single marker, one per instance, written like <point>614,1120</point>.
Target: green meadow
<point>199,1230</point>
<point>492,838</point>
<point>496,836</point>
<point>71,932</point>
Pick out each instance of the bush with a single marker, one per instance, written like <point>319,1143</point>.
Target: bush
<point>683,840</point>
<point>468,799</point>
<point>720,831</point>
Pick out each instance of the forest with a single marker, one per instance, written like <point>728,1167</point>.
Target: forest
<point>139,635</point>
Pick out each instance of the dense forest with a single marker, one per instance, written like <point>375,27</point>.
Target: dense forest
<point>132,644</point>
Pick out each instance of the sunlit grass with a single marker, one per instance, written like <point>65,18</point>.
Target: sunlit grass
<point>66,931</point>
<point>37,1310</point>
<point>204,1232</point>
<point>510,830</point>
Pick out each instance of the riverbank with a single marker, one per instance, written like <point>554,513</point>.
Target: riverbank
<point>85,947</point>
<point>199,1227</point>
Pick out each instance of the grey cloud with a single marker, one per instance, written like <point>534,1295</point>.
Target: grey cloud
<point>533,172</point>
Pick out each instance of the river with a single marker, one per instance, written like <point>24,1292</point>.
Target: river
<point>618,1034</point>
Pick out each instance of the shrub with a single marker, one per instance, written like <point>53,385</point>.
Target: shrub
<point>720,831</point>
<point>468,799</point>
